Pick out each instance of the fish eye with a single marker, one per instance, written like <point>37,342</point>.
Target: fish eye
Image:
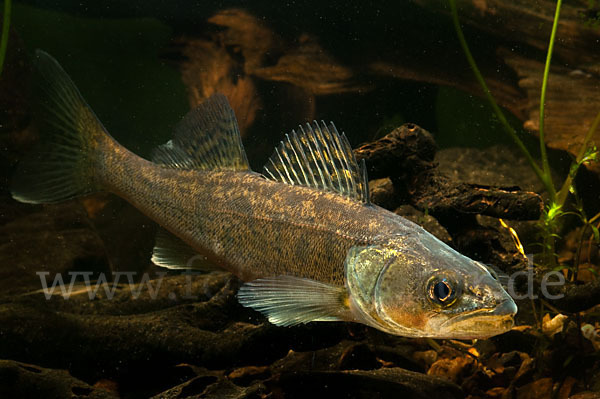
<point>411,127</point>
<point>441,291</point>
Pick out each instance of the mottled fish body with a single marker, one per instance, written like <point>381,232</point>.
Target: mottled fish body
<point>249,225</point>
<point>302,234</point>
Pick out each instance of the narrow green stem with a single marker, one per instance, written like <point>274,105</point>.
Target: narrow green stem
<point>588,137</point>
<point>545,164</point>
<point>577,259</point>
<point>5,32</point>
<point>544,178</point>
<point>596,217</point>
<point>564,190</point>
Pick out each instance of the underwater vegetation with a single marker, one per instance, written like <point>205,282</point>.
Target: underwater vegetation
<point>5,30</point>
<point>556,204</point>
<point>499,168</point>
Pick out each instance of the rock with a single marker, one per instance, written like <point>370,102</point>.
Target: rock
<point>22,380</point>
<point>553,325</point>
<point>452,369</point>
<point>225,389</point>
<point>485,348</point>
<point>539,389</point>
<point>403,153</point>
<point>503,367</point>
<point>513,359</point>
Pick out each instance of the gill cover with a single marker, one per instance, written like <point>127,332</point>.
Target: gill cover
<point>364,268</point>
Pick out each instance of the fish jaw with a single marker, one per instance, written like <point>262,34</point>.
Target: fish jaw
<point>479,324</point>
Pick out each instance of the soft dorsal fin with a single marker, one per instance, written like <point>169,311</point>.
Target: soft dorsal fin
<point>208,137</point>
<point>319,157</point>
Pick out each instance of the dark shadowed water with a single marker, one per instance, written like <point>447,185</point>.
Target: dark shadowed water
<point>84,312</point>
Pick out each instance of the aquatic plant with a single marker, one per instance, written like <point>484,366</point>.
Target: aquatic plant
<point>591,16</point>
<point>549,221</point>
<point>5,32</point>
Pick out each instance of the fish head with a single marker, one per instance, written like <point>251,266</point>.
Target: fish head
<point>414,285</point>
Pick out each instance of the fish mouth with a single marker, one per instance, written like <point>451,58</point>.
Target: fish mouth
<point>482,323</point>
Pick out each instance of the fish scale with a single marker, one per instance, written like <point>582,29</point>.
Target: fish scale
<point>264,228</point>
<point>303,235</point>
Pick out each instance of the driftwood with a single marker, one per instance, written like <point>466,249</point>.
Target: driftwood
<point>246,52</point>
<point>511,62</point>
<point>521,29</point>
<point>576,298</point>
<point>407,156</point>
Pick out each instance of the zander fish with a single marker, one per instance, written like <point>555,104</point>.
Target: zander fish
<point>302,235</point>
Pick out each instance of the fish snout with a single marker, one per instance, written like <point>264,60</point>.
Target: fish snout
<point>505,307</point>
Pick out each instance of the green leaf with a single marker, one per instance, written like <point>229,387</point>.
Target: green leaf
<point>596,233</point>
<point>554,211</point>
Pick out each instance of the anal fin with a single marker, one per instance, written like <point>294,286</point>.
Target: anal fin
<point>289,300</point>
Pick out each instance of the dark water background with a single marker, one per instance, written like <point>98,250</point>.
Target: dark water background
<point>118,55</point>
<point>125,57</point>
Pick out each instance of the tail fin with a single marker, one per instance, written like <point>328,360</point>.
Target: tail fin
<point>62,166</point>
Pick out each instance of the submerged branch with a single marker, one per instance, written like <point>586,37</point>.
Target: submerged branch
<point>407,156</point>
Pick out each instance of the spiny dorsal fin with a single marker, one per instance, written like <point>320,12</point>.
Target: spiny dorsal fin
<point>206,138</point>
<point>319,157</point>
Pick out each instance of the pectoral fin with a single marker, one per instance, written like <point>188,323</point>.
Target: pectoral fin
<point>288,300</point>
<point>172,253</point>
